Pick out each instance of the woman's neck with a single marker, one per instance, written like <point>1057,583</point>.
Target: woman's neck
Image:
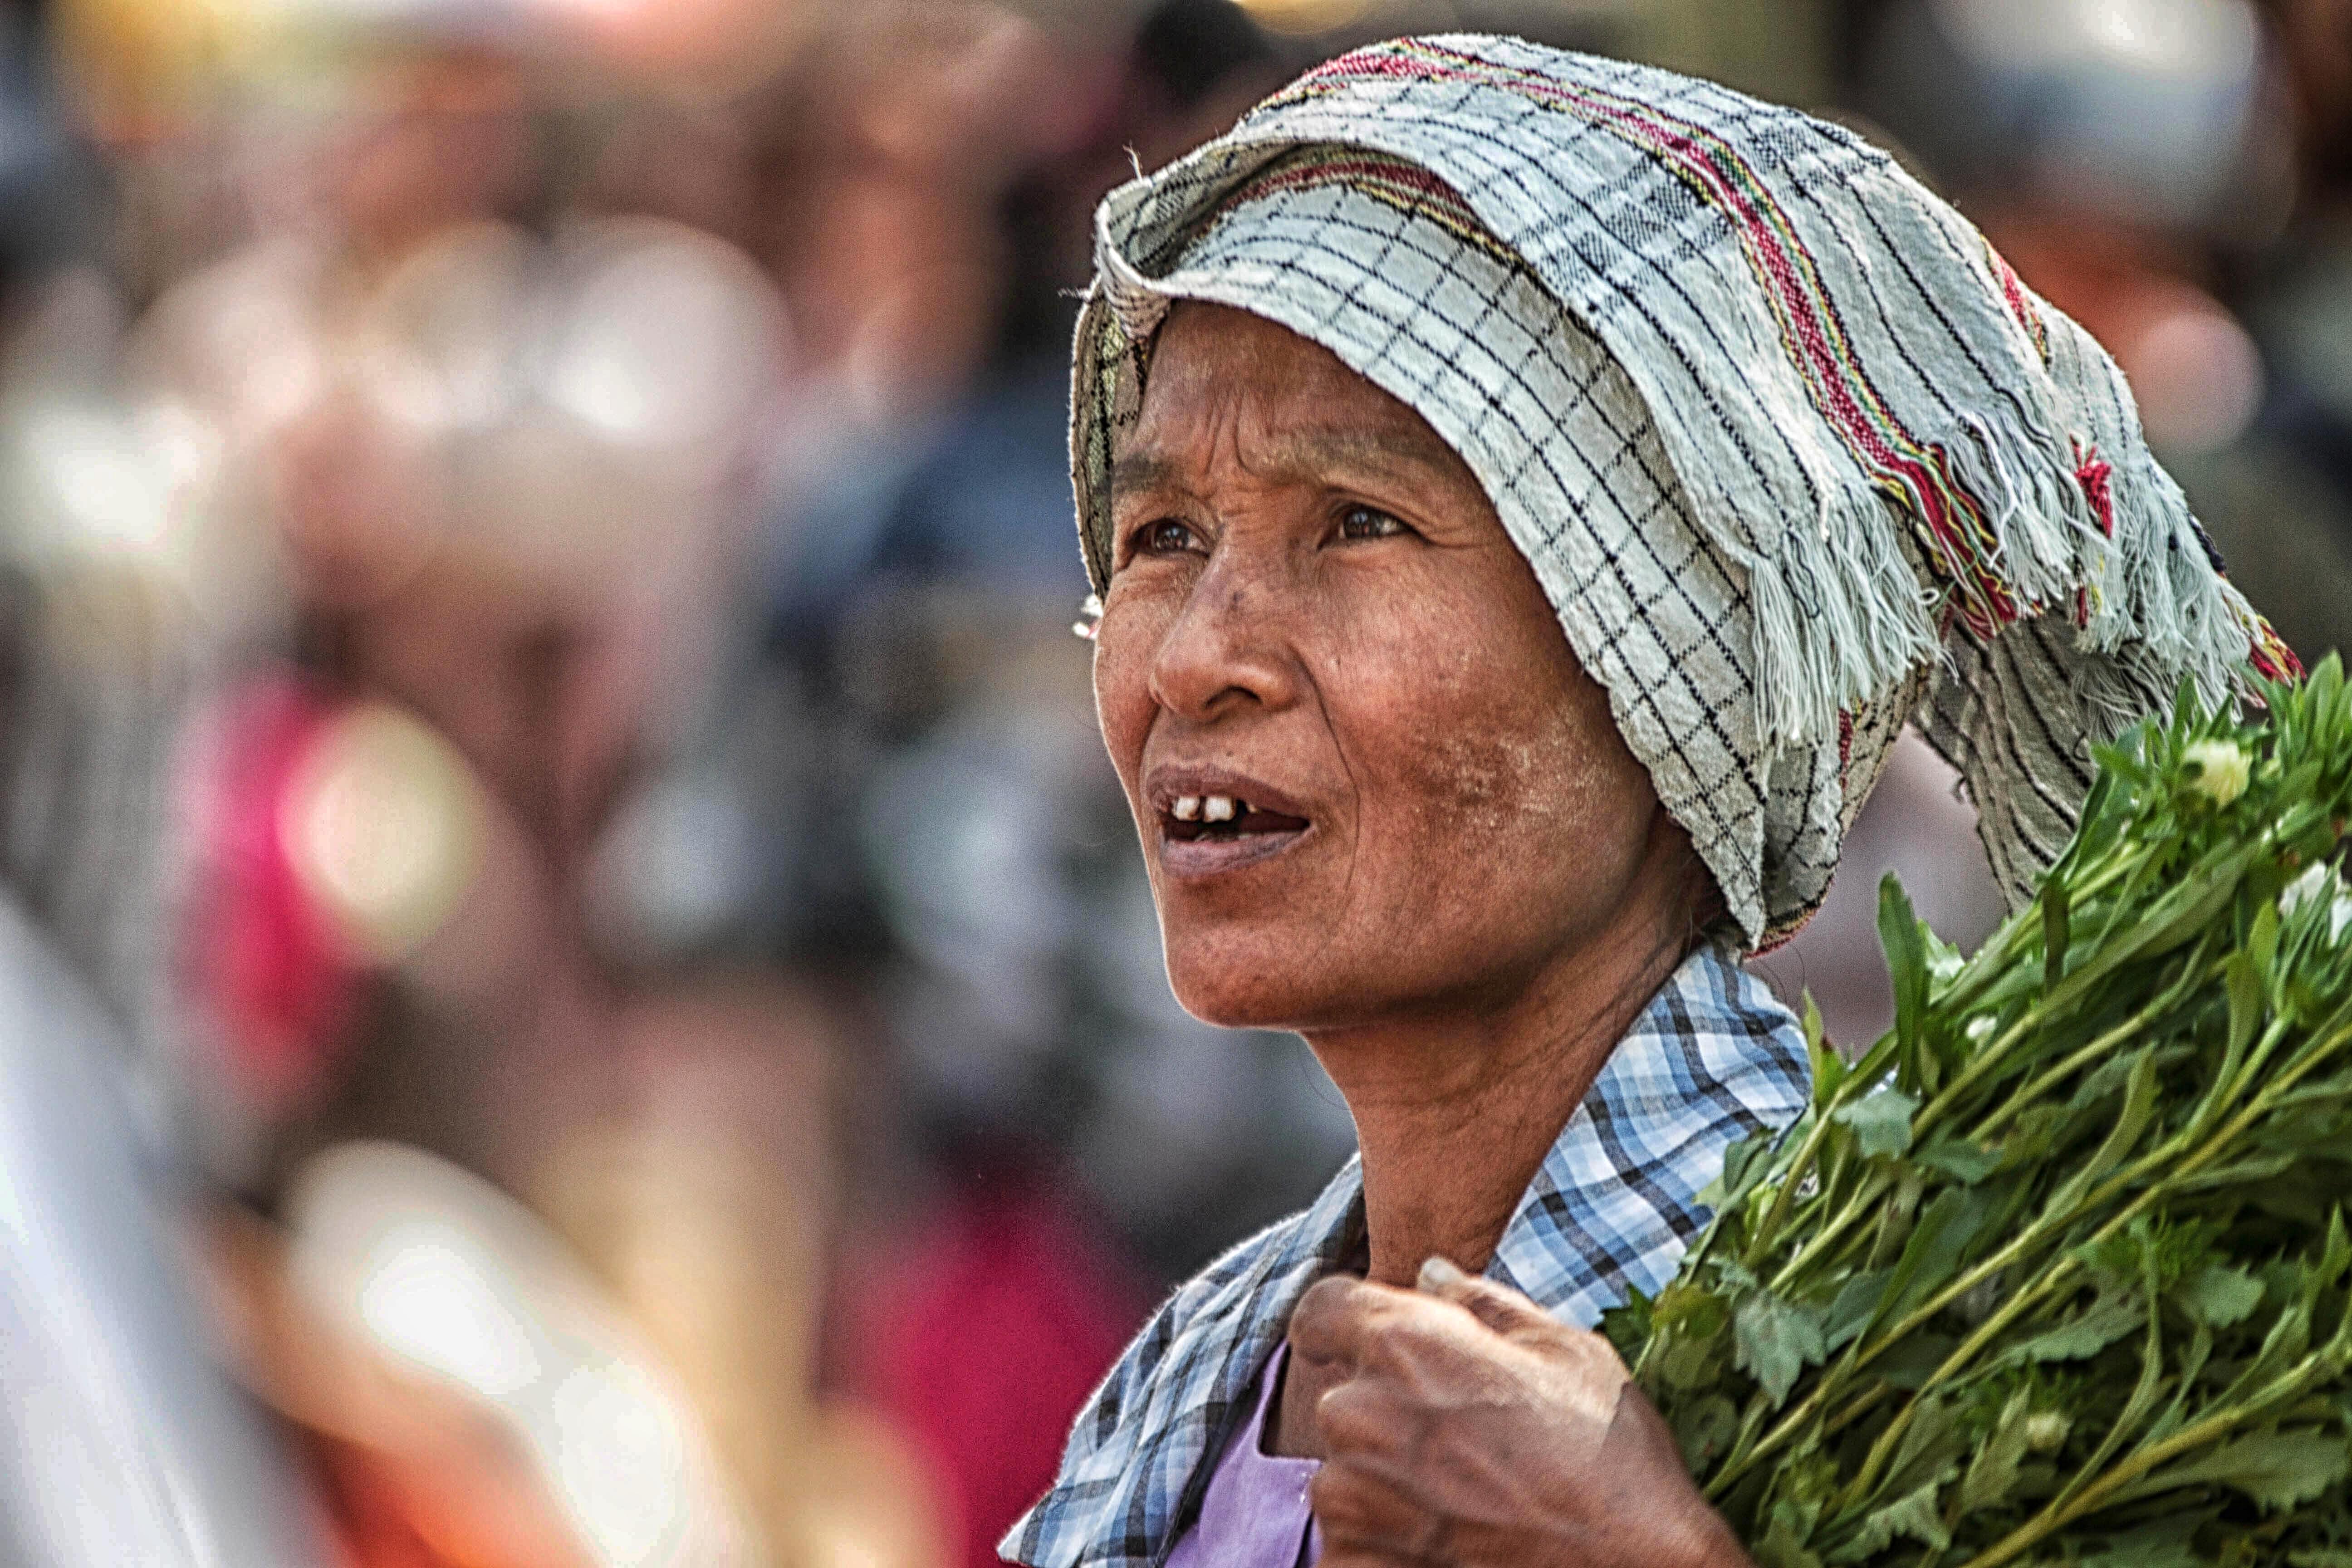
<point>1456,1109</point>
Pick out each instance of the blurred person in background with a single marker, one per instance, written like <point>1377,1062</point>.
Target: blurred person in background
<point>447,463</point>
<point>443,404</point>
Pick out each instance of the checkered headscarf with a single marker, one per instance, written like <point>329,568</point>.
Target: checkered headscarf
<point>1792,452</point>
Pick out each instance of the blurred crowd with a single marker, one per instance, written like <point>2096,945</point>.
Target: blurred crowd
<point>575,987</point>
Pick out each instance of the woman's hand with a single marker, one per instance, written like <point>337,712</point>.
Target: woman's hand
<point>1468,1428</point>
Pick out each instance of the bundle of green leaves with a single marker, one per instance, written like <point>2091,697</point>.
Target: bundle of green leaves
<point>2058,1270</point>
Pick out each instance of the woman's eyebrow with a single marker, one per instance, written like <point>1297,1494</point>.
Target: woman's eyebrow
<point>1392,452</point>
<point>1143,471</point>
<point>1303,455</point>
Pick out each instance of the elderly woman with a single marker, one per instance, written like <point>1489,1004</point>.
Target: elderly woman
<point>1527,495</point>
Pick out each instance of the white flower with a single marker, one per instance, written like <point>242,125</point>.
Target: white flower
<point>2222,770</point>
<point>2319,881</point>
<point>2045,1430</point>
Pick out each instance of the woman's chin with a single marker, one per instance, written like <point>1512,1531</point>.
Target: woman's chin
<point>1289,979</point>
<point>1247,990</point>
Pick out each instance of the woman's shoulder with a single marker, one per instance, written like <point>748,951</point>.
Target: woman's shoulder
<point>1138,1438</point>
<point>1164,1371</point>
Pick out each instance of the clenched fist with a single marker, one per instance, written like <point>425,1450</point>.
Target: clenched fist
<point>1462,1425</point>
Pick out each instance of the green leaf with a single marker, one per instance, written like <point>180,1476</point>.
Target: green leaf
<point>2189,1369</point>
<point>1914,1514</point>
<point>1938,1242</point>
<point>2170,1544</point>
<point>2244,981</point>
<point>1852,1308</point>
<point>2031,1135</point>
<point>2088,1332</point>
<point>2276,1469</point>
<point>2139,1109</point>
<point>2283,1345</point>
<point>1784,1541</point>
<point>1692,1319</point>
<point>1743,1166</point>
<point>2110,1076</point>
<point>2263,937</point>
<point>1900,932</point>
<point>1943,961</point>
<point>1881,1120</point>
<point>2104,812</point>
<point>2218,1296</point>
<point>1691,1362</point>
<point>1776,1340</point>
<point>2053,932</point>
<point>1627,1326</point>
<point>1963,1161</point>
<point>1913,1359</point>
<point>1830,1068</point>
<point>1992,1474</point>
<point>1705,1430</point>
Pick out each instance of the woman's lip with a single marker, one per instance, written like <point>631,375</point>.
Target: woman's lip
<point>1191,859</point>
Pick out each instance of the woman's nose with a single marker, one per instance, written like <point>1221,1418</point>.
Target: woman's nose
<point>1233,644</point>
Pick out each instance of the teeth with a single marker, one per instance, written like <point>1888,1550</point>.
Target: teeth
<point>1217,809</point>
<point>1186,809</point>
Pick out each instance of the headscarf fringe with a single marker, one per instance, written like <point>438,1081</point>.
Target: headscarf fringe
<point>1838,616</point>
<point>2169,611</point>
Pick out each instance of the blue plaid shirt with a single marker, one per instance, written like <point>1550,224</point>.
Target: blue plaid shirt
<point>1711,1059</point>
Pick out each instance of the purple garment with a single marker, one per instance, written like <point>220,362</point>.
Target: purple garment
<point>1254,1513</point>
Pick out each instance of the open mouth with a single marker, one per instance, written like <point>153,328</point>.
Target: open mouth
<point>1222,817</point>
<point>1210,832</point>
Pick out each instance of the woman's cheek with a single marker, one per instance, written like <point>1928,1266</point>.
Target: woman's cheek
<point>1483,750</point>
<point>1434,717</point>
<point>1122,677</point>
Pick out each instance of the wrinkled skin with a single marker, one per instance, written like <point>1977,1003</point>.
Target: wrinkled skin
<point>1311,590</point>
<point>1459,887</point>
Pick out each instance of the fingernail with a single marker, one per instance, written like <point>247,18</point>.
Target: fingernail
<point>1439,1273</point>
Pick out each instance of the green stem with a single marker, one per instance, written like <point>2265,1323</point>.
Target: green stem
<point>2218,885</point>
<point>2260,1052</point>
<point>1791,1180</point>
<point>1868,1195</point>
<point>2075,1061</point>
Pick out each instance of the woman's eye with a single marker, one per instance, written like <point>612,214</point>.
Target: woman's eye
<point>1167,537</point>
<point>1369,522</point>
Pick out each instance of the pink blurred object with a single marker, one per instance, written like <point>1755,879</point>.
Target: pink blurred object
<point>268,965</point>
<point>984,1343</point>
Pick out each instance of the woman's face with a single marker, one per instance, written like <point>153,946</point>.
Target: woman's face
<point>1370,776</point>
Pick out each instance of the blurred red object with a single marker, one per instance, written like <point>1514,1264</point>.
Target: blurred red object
<point>268,963</point>
<point>985,1342</point>
<point>336,837</point>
